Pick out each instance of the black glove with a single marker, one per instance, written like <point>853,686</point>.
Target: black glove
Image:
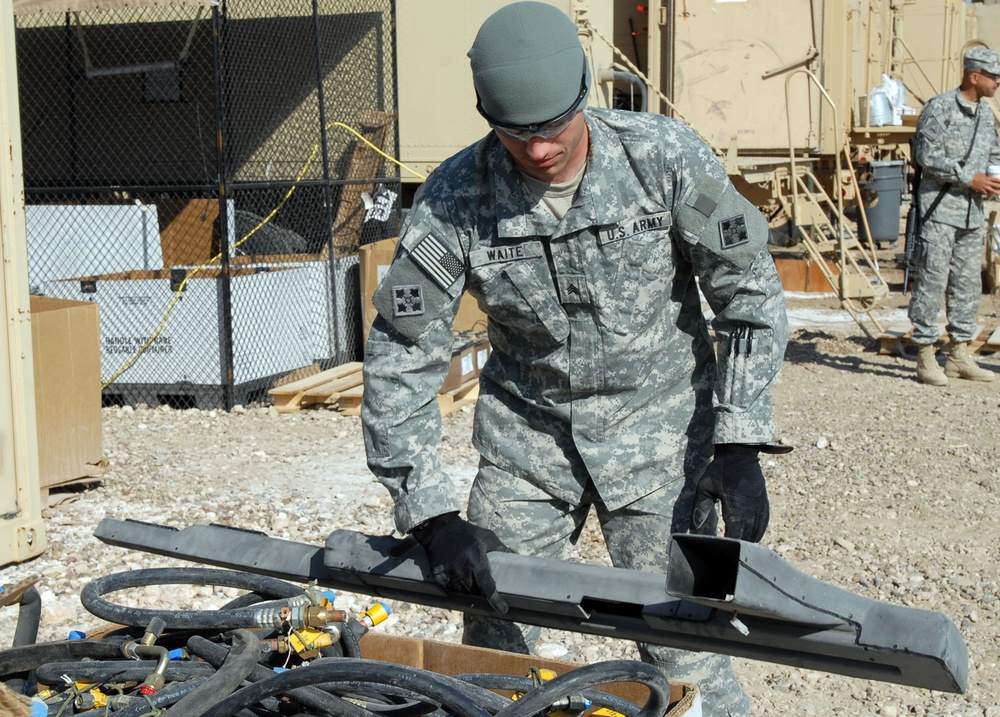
<point>456,552</point>
<point>734,478</point>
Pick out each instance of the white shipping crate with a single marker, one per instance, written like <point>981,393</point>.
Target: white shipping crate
<point>66,240</point>
<point>271,327</point>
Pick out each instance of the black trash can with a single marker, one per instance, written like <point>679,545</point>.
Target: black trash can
<point>888,181</point>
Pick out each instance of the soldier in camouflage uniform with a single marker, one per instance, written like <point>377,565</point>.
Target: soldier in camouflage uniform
<point>584,235</point>
<point>955,142</point>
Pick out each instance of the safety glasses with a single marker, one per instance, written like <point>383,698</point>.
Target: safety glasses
<point>547,129</point>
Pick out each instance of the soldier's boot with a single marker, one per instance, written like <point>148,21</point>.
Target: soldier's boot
<point>960,364</point>
<point>928,370</point>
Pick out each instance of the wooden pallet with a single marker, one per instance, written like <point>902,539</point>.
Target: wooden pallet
<point>896,342</point>
<point>343,386</point>
<point>323,387</point>
<point>455,400</point>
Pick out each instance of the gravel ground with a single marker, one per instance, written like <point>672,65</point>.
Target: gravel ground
<point>893,492</point>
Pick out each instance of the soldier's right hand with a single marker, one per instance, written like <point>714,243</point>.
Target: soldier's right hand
<point>986,185</point>
<point>457,554</point>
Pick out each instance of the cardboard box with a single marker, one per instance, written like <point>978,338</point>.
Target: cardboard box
<point>446,658</point>
<point>375,260</point>
<point>462,368</point>
<point>481,349</point>
<point>65,340</point>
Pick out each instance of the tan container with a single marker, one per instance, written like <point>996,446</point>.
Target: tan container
<point>22,529</point>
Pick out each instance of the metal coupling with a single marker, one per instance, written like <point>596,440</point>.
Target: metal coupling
<point>277,615</point>
<point>273,645</point>
<point>153,683</point>
<point>92,699</point>
<point>307,642</point>
<point>300,617</point>
<point>572,705</point>
<point>375,614</point>
<point>153,631</point>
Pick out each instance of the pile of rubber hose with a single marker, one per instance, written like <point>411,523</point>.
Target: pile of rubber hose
<point>277,650</point>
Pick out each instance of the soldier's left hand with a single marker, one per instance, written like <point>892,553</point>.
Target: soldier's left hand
<point>733,478</point>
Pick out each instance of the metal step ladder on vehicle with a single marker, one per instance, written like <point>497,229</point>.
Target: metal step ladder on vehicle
<point>820,226</point>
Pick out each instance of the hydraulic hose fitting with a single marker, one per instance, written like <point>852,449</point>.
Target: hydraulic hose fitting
<point>156,679</point>
<point>321,616</point>
<point>574,704</point>
<point>303,617</point>
<point>291,612</point>
<point>324,598</point>
<point>275,645</point>
<point>375,614</point>
<point>153,631</point>
<point>569,706</point>
<point>306,642</point>
<point>120,702</point>
<point>90,700</point>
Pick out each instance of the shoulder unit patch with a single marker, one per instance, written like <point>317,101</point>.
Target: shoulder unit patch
<point>733,231</point>
<point>407,301</point>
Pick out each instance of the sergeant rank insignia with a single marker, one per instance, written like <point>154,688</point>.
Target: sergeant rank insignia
<point>407,301</point>
<point>733,231</point>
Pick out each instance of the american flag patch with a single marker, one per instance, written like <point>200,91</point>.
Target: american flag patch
<point>437,260</point>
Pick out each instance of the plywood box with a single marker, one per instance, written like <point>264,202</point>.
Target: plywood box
<point>187,236</point>
<point>65,340</point>
<point>375,260</point>
<point>446,658</point>
<point>802,275</point>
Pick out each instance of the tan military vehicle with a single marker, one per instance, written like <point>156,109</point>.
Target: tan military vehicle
<point>810,103</point>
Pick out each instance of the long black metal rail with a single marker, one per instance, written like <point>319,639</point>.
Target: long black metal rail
<point>720,595</point>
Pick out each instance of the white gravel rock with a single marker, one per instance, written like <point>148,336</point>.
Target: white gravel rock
<point>892,493</point>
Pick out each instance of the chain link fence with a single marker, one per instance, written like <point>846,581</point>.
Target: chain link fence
<point>203,172</point>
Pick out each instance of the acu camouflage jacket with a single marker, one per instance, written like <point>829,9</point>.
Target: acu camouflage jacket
<point>602,363</point>
<point>955,140</point>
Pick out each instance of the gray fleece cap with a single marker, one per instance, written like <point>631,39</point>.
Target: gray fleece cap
<point>980,58</point>
<point>528,63</point>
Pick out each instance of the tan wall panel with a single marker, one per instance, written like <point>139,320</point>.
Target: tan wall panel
<point>722,49</point>
<point>934,34</point>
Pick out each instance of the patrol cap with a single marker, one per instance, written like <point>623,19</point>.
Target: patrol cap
<point>528,65</point>
<point>980,58</point>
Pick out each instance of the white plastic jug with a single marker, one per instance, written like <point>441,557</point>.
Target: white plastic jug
<point>879,110</point>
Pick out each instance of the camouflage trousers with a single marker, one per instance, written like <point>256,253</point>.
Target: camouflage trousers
<point>949,271</point>
<point>532,522</point>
